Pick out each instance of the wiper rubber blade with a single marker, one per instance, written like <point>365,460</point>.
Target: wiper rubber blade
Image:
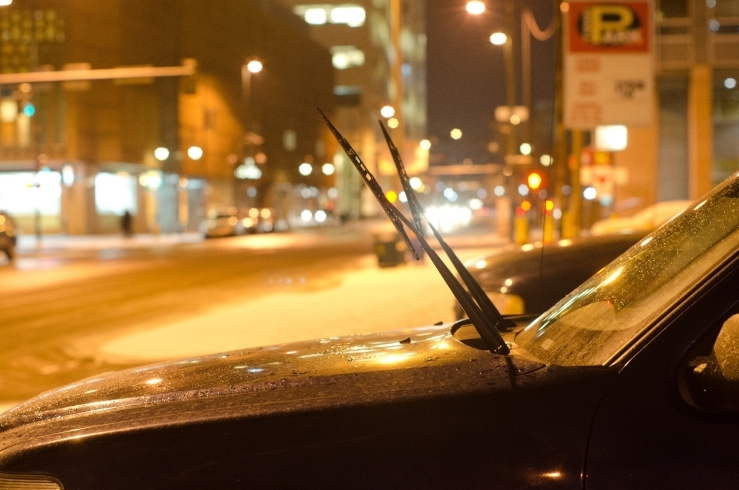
<point>416,208</point>
<point>483,325</point>
<point>482,299</point>
<point>371,182</point>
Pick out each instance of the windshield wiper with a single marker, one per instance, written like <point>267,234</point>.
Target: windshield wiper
<point>485,324</point>
<point>482,299</point>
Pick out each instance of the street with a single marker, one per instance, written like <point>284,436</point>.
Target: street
<point>73,309</point>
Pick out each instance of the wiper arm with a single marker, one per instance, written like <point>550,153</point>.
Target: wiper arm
<point>416,208</point>
<point>486,330</point>
<point>482,299</point>
<point>371,182</point>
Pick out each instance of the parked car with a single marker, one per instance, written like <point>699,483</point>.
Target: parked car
<point>630,381</point>
<point>234,222</point>
<point>529,279</point>
<point>8,235</point>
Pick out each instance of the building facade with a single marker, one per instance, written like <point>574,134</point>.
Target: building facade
<point>378,50</point>
<point>75,155</point>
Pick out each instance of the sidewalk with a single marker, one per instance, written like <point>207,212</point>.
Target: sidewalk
<point>359,229</point>
<point>53,243</point>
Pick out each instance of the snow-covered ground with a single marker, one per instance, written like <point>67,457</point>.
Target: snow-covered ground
<point>368,299</point>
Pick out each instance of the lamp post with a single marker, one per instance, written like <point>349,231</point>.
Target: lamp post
<point>248,69</point>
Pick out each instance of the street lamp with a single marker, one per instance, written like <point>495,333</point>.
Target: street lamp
<point>251,67</point>
<point>498,38</point>
<point>475,8</point>
<point>195,152</point>
<point>305,169</point>
<point>254,66</point>
<point>387,111</point>
<point>161,153</point>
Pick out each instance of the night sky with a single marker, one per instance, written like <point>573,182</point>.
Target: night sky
<point>466,77</point>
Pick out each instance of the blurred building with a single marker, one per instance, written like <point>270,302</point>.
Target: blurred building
<point>697,74</point>
<point>376,65</point>
<point>75,155</point>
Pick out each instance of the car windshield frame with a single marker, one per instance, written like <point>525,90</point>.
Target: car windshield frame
<point>598,321</point>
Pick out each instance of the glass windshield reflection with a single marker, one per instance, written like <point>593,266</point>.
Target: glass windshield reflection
<point>601,317</point>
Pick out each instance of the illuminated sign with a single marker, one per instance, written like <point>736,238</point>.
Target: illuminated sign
<point>609,75</point>
<point>612,27</point>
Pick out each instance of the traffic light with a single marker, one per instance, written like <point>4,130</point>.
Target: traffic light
<point>534,180</point>
<point>28,109</point>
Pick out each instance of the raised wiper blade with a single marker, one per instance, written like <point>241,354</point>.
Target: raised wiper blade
<point>487,331</point>
<point>371,182</point>
<point>482,299</point>
<point>416,208</point>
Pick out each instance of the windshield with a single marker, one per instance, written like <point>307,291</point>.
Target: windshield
<point>601,317</point>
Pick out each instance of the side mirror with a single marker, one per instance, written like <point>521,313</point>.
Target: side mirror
<point>713,380</point>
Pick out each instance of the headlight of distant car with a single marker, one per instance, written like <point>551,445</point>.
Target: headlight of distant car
<point>29,482</point>
<point>508,304</point>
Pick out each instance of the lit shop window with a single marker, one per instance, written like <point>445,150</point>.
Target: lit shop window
<point>115,193</point>
<point>22,193</point>
<point>344,57</point>
<point>349,14</point>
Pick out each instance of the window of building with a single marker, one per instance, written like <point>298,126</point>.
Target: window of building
<point>22,193</point>
<point>289,140</point>
<point>344,57</point>
<point>348,14</point>
<point>672,8</point>
<point>348,95</point>
<point>115,193</point>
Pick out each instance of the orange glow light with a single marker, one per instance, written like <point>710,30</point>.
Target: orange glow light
<point>534,180</point>
<point>549,205</point>
<point>525,205</point>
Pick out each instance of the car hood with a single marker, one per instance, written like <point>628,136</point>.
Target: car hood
<point>267,375</point>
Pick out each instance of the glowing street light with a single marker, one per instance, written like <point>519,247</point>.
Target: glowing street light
<point>305,169</point>
<point>393,123</point>
<point>195,152</point>
<point>161,154</point>
<point>327,169</point>
<point>525,149</point>
<point>498,38</point>
<point>387,111</point>
<point>254,66</point>
<point>475,7</point>
<point>425,145</point>
<point>456,133</point>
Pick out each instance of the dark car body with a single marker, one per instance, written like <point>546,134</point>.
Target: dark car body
<point>630,381</point>
<point>8,235</point>
<point>361,412</point>
<point>532,278</point>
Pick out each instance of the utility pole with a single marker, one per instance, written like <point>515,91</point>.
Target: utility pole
<point>396,23</point>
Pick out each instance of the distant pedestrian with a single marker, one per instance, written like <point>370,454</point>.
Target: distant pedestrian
<point>126,224</point>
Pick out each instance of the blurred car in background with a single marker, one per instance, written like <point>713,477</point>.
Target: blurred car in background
<point>531,278</point>
<point>646,220</point>
<point>8,237</point>
<point>235,222</point>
